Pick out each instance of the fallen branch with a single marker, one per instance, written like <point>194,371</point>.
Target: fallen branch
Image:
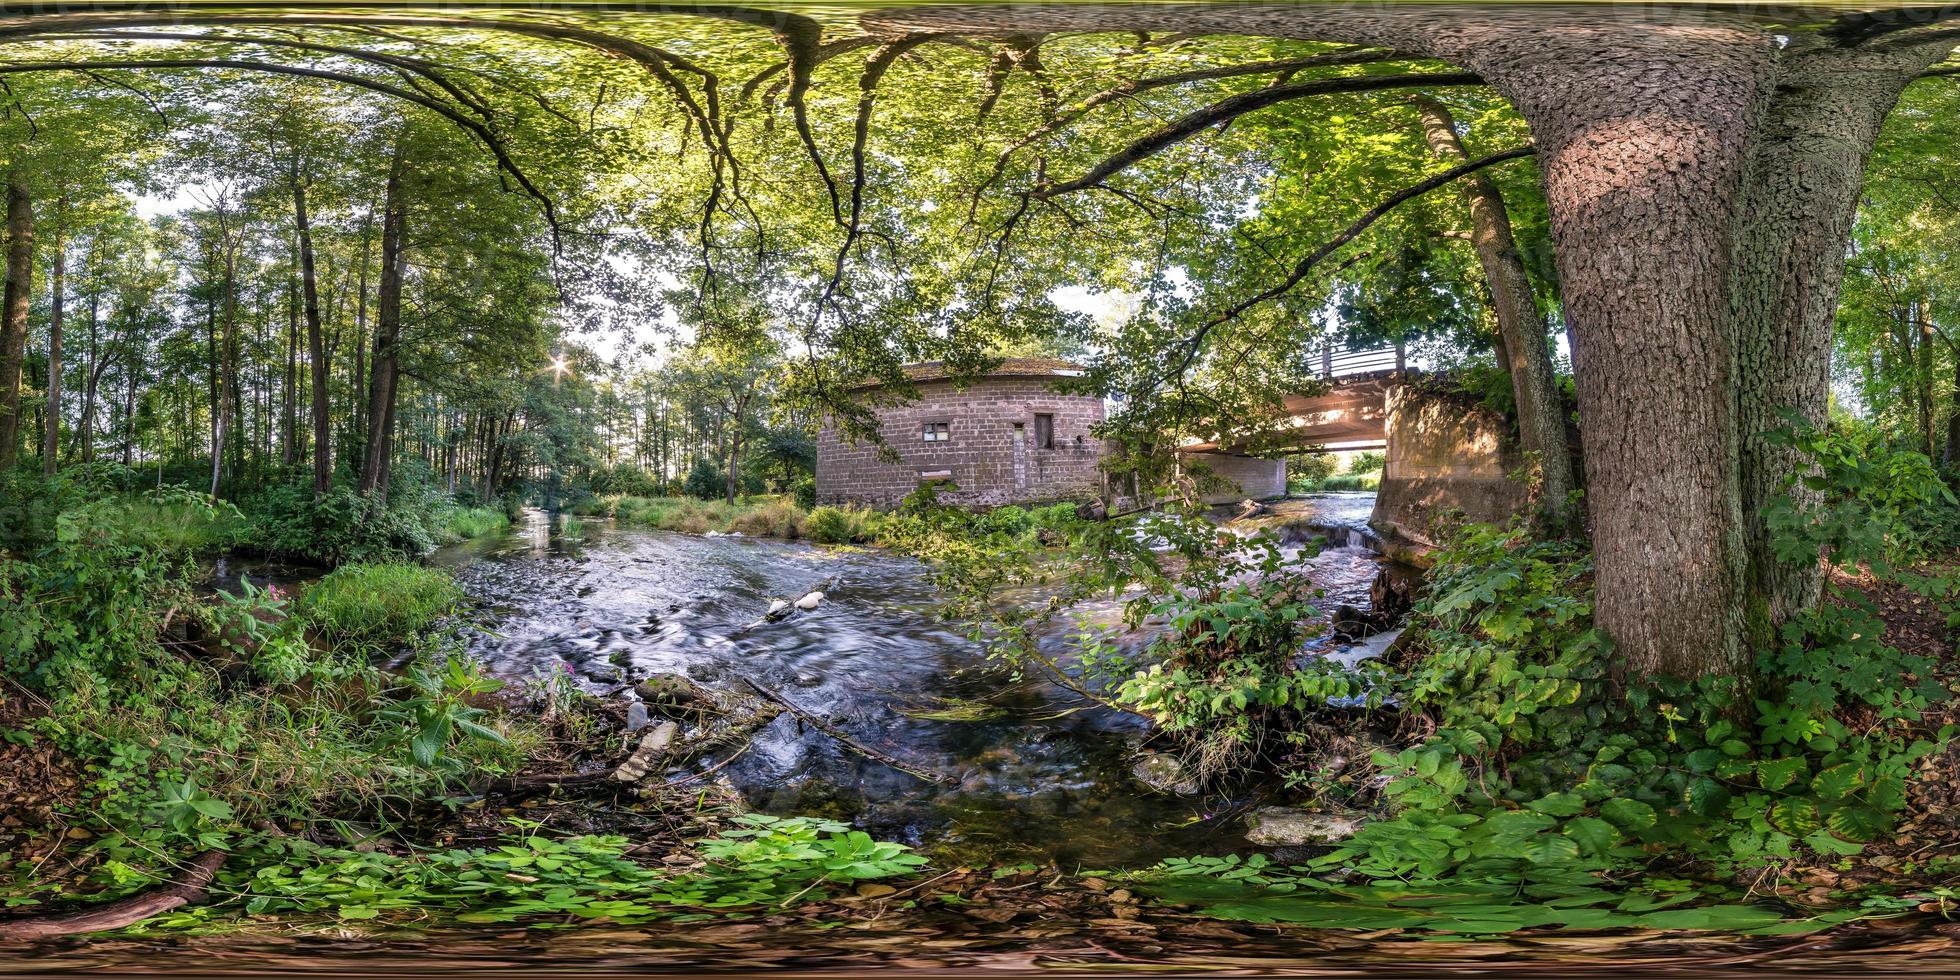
<point>125,912</point>
<point>850,743</point>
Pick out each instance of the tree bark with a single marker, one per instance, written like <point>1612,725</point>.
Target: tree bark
<point>385,372</point>
<point>1797,210</point>
<point>315,344</point>
<point>13,318</point>
<point>51,439</point>
<point>85,436</point>
<point>1526,355</point>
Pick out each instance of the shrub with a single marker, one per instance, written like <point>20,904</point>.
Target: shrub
<point>343,526</point>
<point>625,480</point>
<point>805,491</point>
<point>377,607</point>
<point>774,518</point>
<point>1352,481</point>
<point>1308,472</point>
<point>832,525</point>
<point>463,523</point>
<point>706,480</point>
<point>1368,462</point>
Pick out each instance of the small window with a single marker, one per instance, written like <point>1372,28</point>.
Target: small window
<point>937,432</point>
<point>1044,432</point>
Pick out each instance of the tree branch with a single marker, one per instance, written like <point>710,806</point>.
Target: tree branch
<point>1348,234</point>
<point>1231,108</point>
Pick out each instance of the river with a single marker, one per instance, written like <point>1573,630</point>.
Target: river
<point>1041,774</point>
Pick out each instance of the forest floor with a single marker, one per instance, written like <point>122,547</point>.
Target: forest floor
<point>42,784</point>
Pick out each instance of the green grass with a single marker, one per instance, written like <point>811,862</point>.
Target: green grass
<point>775,517</point>
<point>378,606</point>
<point>170,521</point>
<point>464,523</point>
<point>1352,481</point>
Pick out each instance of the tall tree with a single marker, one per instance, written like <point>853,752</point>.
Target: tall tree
<point>13,317</point>
<point>1528,357</point>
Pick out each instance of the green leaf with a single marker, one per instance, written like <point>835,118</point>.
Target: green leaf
<point>1775,774</point>
<point>1558,804</point>
<point>1838,781</point>
<point>1593,835</point>
<point>1858,823</point>
<point>1706,797</point>
<point>1798,817</point>
<point>1631,815</point>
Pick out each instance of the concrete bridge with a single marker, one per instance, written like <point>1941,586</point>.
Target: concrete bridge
<point>1351,414</point>
<point>1447,454</point>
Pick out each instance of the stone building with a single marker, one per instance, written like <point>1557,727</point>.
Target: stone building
<point>1006,438</point>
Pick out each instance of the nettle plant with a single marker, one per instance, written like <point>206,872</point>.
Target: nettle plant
<point>1538,759</point>
<point>1228,672</point>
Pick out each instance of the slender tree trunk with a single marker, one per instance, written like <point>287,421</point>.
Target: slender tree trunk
<point>51,440</point>
<point>13,318</point>
<point>1527,355</point>
<point>315,344</point>
<point>1952,458</point>
<point>132,350</point>
<point>360,386</point>
<point>1923,377</point>
<point>85,436</point>
<point>382,389</point>
<point>223,405</point>
<point>288,394</point>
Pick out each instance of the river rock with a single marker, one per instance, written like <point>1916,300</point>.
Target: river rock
<point>1165,774</point>
<point>667,688</point>
<point>1281,826</point>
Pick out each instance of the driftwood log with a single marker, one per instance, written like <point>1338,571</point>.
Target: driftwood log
<point>189,889</point>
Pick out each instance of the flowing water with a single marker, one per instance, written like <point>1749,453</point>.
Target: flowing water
<point>1037,772</point>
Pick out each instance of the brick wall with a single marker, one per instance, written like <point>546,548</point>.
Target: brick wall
<point>980,456</point>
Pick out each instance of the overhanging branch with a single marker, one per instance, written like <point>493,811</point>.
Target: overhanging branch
<point>1227,109</point>
<point>1348,234</point>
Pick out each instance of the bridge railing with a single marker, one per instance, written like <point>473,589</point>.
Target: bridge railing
<point>1340,362</point>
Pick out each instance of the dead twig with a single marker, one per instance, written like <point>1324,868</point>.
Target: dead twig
<point>850,743</point>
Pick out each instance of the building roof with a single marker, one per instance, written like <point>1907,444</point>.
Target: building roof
<point>1013,367</point>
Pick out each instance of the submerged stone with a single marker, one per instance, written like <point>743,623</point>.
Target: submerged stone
<point>1282,826</point>
<point>667,688</point>
<point>1165,774</point>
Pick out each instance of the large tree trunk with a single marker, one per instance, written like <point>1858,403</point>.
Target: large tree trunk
<point>315,345</point>
<point>1526,355</point>
<point>51,439</point>
<point>13,318</point>
<point>1797,211</point>
<point>385,371</point>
